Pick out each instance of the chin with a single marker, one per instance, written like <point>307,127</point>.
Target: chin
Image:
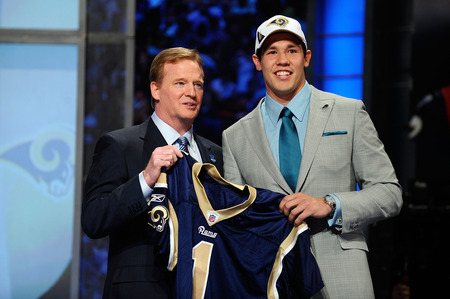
<point>191,115</point>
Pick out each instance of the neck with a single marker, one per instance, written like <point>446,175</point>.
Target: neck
<point>179,125</point>
<point>284,99</point>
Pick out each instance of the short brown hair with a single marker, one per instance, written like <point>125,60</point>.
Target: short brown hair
<point>172,55</point>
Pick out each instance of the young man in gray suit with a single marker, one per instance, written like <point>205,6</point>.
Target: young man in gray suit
<point>336,148</point>
<point>126,166</point>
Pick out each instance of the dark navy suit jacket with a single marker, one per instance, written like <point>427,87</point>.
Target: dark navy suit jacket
<point>114,206</point>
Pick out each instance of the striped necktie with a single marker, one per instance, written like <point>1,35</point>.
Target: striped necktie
<point>289,149</point>
<point>183,143</point>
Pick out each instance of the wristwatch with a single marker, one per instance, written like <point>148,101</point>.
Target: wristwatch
<point>329,200</point>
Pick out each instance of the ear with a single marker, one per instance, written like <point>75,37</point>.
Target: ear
<point>257,62</point>
<point>154,90</point>
<point>307,58</point>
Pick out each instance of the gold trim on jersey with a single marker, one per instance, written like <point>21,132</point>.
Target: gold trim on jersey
<point>283,250</point>
<point>162,181</point>
<point>215,216</point>
<point>173,225</point>
<point>172,220</point>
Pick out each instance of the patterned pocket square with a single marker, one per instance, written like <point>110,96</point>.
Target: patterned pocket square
<point>334,133</point>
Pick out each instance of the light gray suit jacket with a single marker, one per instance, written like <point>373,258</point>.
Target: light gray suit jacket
<point>341,150</point>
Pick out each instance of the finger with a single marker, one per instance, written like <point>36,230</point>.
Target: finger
<point>169,153</point>
<point>300,218</point>
<point>287,207</point>
<point>170,160</point>
<point>160,160</point>
<point>299,213</point>
<point>286,201</point>
<point>178,153</point>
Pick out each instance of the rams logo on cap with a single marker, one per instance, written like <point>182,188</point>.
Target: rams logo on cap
<point>280,21</point>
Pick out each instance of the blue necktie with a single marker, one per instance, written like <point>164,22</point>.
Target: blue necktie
<point>289,149</point>
<point>183,143</point>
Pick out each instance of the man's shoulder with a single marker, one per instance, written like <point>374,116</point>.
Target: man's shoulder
<point>124,131</point>
<point>126,134</point>
<point>207,142</point>
<point>321,95</point>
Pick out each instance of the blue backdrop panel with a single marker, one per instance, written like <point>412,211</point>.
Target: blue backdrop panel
<point>38,100</point>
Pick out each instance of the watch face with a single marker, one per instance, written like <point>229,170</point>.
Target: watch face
<point>332,203</point>
<point>330,200</point>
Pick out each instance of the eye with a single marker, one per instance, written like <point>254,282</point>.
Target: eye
<point>198,85</point>
<point>292,51</point>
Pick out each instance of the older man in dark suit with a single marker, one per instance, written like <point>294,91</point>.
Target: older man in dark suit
<point>126,165</point>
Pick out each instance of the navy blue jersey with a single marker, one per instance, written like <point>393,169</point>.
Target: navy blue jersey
<point>228,241</point>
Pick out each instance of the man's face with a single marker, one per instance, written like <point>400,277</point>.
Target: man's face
<point>282,64</point>
<point>179,95</point>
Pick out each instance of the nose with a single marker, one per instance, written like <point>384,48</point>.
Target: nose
<point>189,90</point>
<point>283,59</point>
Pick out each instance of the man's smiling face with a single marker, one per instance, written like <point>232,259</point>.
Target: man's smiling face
<point>282,64</point>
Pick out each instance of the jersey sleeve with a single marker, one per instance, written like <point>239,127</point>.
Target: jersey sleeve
<point>300,277</point>
<point>163,221</point>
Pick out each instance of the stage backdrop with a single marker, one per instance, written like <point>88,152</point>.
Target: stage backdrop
<point>38,101</point>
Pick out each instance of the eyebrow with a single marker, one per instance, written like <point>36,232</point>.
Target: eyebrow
<point>184,79</point>
<point>288,47</point>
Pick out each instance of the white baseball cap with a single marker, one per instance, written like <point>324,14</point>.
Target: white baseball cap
<point>278,23</point>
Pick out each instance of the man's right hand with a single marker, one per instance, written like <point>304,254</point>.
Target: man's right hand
<point>164,156</point>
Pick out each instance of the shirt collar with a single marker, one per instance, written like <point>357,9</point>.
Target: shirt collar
<point>297,105</point>
<point>169,133</point>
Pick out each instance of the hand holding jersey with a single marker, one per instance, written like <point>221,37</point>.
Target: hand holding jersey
<point>299,206</point>
<point>164,156</point>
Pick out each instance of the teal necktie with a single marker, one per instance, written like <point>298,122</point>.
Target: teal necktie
<point>289,149</point>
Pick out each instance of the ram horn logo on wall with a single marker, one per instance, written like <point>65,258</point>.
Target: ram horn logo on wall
<point>47,158</point>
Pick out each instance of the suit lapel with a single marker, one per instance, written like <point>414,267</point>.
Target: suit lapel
<point>152,138</point>
<point>319,112</point>
<point>253,129</point>
<point>205,149</point>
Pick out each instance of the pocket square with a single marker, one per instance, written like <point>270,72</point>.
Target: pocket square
<point>334,133</point>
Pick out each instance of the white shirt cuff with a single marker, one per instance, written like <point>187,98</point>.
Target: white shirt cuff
<point>146,190</point>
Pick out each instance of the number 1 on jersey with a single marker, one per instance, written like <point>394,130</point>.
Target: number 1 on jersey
<point>201,254</point>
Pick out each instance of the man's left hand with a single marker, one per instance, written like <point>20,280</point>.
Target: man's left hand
<point>299,206</point>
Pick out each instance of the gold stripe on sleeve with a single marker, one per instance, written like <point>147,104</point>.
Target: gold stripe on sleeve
<point>283,250</point>
<point>173,224</point>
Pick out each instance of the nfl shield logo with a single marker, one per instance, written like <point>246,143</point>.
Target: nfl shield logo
<point>212,217</point>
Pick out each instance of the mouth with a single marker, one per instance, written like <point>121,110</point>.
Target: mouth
<point>283,74</point>
<point>190,105</point>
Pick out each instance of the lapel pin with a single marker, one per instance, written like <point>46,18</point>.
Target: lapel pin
<point>212,158</point>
